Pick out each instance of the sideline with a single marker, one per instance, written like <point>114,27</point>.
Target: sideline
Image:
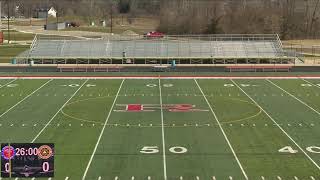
<point>163,77</point>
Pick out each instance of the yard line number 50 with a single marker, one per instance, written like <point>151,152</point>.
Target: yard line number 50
<point>155,149</point>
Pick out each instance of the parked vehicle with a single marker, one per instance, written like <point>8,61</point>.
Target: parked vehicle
<point>154,34</point>
<point>72,24</point>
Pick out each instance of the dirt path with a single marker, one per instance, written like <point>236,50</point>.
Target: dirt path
<point>41,31</point>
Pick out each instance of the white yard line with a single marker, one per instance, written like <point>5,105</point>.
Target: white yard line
<point>318,86</point>
<point>163,139</point>
<point>7,83</point>
<point>294,97</point>
<point>36,137</point>
<point>275,123</point>
<point>25,98</point>
<point>102,131</point>
<point>224,134</point>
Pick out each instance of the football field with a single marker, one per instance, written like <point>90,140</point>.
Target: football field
<point>168,128</point>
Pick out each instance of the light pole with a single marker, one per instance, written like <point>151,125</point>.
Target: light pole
<point>111,17</point>
<point>111,14</point>
<point>8,21</point>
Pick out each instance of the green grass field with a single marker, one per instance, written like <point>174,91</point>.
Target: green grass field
<point>18,36</point>
<point>7,53</point>
<point>168,129</point>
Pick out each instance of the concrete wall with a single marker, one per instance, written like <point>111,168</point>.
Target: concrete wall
<point>55,26</point>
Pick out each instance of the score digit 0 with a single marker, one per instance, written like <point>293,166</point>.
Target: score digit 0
<point>45,167</point>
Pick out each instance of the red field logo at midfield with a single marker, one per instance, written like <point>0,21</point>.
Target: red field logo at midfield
<point>155,107</point>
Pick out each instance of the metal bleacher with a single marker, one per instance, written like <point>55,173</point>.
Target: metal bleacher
<point>186,48</point>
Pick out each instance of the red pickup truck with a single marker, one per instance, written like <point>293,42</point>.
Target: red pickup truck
<point>154,34</point>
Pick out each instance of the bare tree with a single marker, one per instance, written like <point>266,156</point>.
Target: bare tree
<point>314,18</point>
<point>287,7</point>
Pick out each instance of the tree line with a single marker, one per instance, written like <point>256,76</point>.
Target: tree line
<point>289,18</point>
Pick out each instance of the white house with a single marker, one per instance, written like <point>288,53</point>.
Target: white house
<point>52,12</point>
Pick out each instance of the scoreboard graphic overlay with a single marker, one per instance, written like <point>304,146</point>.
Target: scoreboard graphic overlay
<point>27,160</point>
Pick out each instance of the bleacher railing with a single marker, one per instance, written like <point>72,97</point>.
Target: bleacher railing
<point>208,37</point>
<point>34,41</point>
<point>170,46</point>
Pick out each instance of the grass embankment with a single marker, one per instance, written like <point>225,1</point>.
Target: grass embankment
<point>8,52</point>
<point>116,30</point>
<point>120,24</point>
<point>139,25</point>
<point>18,36</point>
